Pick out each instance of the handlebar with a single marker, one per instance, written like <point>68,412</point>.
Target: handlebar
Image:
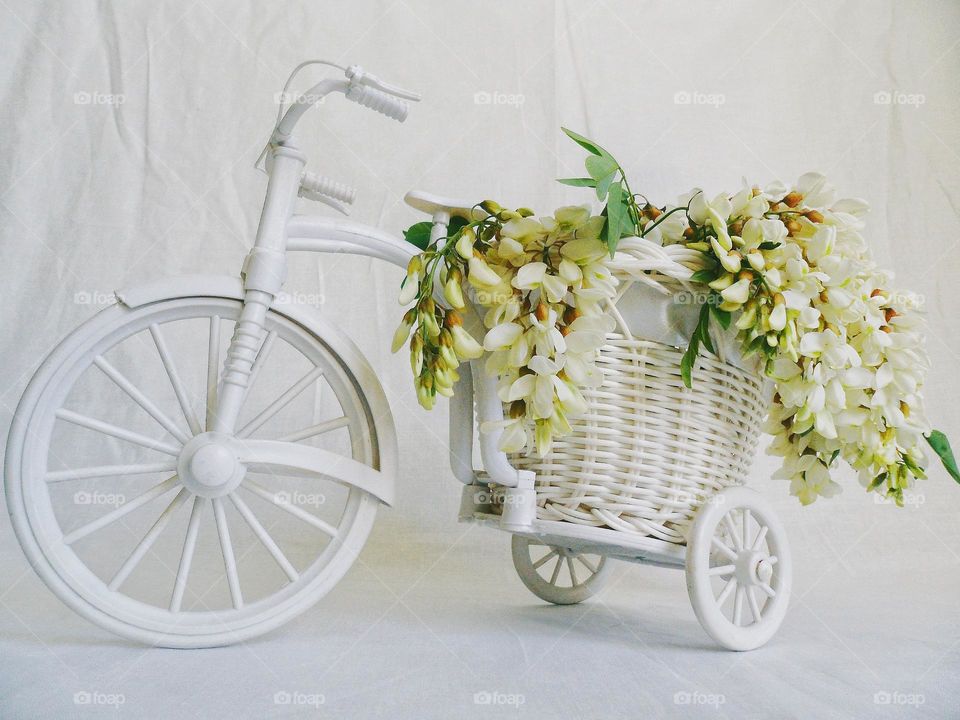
<point>359,87</point>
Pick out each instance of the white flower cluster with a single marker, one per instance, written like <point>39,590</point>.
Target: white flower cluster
<point>845,351</point>
<point>543,284</point>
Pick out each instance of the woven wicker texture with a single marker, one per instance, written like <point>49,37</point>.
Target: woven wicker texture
<point>649,450</point>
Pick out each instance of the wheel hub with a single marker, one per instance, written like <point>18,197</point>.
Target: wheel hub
<point>208,466</point>
<point>753,568</point>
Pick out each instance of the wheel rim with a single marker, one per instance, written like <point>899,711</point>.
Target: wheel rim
<point>235,519</point>
<point>738,569</point>
<point>562,576</point>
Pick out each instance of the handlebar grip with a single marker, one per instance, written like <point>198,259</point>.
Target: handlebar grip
<point>320,185</point>
<point>379,101</point>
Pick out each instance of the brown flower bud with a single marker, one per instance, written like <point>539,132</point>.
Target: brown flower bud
<point>542,311</point>
<point>793,199</point>
<point>813,216</point>
<point>889,314</point>
<point>571,314</point>
<point>793,227</point>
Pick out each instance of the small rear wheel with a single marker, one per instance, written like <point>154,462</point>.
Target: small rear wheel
<point>559,575</point>
<point>738,569</point>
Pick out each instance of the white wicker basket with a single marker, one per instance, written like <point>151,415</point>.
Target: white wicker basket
<point>649,451</point>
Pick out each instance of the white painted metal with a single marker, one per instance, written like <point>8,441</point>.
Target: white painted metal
<point>209,459</point>
<point>738,569</point>
<point>559,574</point>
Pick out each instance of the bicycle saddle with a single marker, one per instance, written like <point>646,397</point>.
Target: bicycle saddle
<point>431,204</point>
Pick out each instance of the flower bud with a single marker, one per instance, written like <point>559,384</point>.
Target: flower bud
<point>813,216</point>
<point>492,207</point>
<point>465,245</point>
<point>453,293</point>
<point>416,355</point>
<point>464,344</point>
<point>792,199</point>
<point>524,212</point>
<point>403,330</point>
<point>542,312</point>
<point>731,261</point>
<point>755,259</point>
<point>793,227</point>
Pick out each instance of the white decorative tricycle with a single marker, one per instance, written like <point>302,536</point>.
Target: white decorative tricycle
<point>191,392</point>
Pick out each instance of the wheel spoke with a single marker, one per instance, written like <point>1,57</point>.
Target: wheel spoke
<point>226,547</point>
<point>114,515</point>
<point>573,573</point>
<point>767,589</point>
<point>138,397</point>
<point>556,570</point>
<point>280,403</point>
<point>722,547</point>
<point>317,429</point>
<point>103,471</point>
<point>721,570</point>
<point>264,537</point>
<point>213,369</point>
<point>272,498</point>
<point>732,529</point>
<point>117,432</point>
<point>178,388</point>
<point>761,536</point>
<point>544,560</point>
<point>754,606</point>
<point>594,569</point>
<point>147,541</point>
<point>738,606</point>
<point>727,589</point>
<point>745,522</point>
<point>186,557</point>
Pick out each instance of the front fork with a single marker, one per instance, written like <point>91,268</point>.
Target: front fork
<point>264,272</point>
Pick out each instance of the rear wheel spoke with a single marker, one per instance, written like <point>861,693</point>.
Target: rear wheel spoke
<point>732,529</point>
<point>738,606</point>
<point>573,572</point>
<point>588,565</point>
<point>556,570</point>
<point>725,593</point>
<point>544,560</point>
<point>721,570</point>
<point>147,541</point>
<point>754,606</point>
<point>139,398</point>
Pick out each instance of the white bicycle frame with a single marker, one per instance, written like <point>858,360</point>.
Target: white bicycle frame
<point>281,230</point>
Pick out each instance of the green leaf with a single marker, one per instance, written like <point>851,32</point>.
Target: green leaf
<point>941,446</point>
<point>578,182</point>
<point>589,145</point>
<point>457,224</point>
<point>768,245</point>
<point>615,213</point>
<point>418,234</point>
<point>600,167</point>
<point>876,482</point>
<point>603,185</point>
<point>688,360</point>
<point>723,316</point>
<point>704,276</point>
<point>833,457</point>
<point>703,328</point>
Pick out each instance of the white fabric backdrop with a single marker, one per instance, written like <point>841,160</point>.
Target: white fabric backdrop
<point>129,132</point>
